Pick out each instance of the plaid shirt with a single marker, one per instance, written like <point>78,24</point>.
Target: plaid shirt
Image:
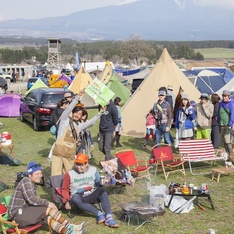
<point>25,195</point>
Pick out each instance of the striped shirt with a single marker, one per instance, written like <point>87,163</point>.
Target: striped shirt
<point>25,195</point>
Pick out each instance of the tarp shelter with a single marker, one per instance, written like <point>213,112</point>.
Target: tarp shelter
<point>81,81</point>
<point>164,73</point>
<point>10,105</point>
<point>60,82</point>
<point>229,86</point>
<point>140,75</point>
<point>38,84</point>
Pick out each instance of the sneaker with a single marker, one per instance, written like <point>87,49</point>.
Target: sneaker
<point>100,218</point>
<point>143,147</point>
<point>110,222</point>
<point>76,228</point>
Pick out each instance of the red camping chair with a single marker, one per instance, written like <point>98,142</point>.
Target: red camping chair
<point>138,167</point>
<point>164,158</point>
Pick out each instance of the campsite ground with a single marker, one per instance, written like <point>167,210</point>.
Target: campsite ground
<point>31,145</point>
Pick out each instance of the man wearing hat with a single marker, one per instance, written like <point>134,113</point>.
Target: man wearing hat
<point>226,121</point>
<point>81,187</point>
<point>27,208</point>
<point>204,112</point>
<point>163,117</point>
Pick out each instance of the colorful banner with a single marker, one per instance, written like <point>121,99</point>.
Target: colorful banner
<point>99,92</point>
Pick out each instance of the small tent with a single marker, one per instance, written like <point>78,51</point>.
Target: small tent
<point>38,84</point>
<point>10,105</point>
<point>164,73</point>
<point>113,82</point>
<point>118,88</point>
<point>81,81</point>
<point>59,82</point>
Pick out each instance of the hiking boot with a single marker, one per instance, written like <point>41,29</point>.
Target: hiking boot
<point>110,222</point>
<point>100,218</point>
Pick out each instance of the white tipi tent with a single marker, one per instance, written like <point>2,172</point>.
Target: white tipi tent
<point>229,86</point>
<point>164,73</point>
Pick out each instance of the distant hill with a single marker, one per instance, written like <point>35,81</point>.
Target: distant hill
<point>149,19</point>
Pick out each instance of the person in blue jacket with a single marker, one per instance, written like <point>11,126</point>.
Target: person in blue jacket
<point>184,119</point>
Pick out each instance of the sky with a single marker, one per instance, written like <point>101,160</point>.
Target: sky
<point>30,9</point>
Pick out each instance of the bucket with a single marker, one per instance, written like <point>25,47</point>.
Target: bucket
<point>6,138</point>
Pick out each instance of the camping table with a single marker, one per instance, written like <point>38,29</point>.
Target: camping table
<point>195,193</point>
<point>10,147</point>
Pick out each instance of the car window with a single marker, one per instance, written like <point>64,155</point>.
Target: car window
<point>52,98</point>
<point>32,80</point>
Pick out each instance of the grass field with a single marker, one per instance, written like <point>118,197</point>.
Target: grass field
<point>216,53</point>
<point>35,146</point>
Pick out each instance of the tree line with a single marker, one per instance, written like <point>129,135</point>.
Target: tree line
<point>117,51</point>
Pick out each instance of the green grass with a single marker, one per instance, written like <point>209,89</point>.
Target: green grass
<point>216,53</point>
<point>31,145</point>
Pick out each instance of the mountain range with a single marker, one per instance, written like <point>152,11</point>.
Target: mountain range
<point>148,19</point>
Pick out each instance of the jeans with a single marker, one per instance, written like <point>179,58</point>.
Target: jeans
<point>105,144</point>
<point>161,130</point>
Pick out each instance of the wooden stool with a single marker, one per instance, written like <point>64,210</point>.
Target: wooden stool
<point>221,171</point>
<point>10,147</point>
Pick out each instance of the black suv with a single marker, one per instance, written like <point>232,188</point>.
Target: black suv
<point>38,105</point>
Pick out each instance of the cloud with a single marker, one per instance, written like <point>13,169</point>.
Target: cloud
<point>180,3</point>
<point>126,2</point>
<point>228,4</point>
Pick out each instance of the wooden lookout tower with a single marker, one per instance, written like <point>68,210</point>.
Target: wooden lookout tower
<point>54,51</point>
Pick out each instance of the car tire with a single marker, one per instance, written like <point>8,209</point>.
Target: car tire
<point>21,116</point>
<point>35,126</point>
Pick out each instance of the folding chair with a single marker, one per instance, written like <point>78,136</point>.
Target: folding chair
<point>11,226</point>
<point>164,158</point>
<point>198,151</point>
<point>137,167</point>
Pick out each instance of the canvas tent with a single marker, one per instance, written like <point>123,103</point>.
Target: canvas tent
<point>38,84</point>
<point>10,105</point>
<point>229,86</point>
<point>164,73</point>
<point>81,81</point>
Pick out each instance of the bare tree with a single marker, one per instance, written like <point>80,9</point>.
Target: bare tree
<point>136,48</point>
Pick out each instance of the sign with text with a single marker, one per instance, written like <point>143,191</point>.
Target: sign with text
<point>99,92</point>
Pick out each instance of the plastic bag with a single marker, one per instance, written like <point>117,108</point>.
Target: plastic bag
<point>53,130</point>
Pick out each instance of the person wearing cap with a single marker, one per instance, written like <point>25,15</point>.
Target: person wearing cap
<point>184,119</point>
<point>226,122</point>
<point>66,144</point>
<point>171,94</point>
<point>163,117</point>
<point>27,208</point>
<point>204,111</point>
<point>81,187</point>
